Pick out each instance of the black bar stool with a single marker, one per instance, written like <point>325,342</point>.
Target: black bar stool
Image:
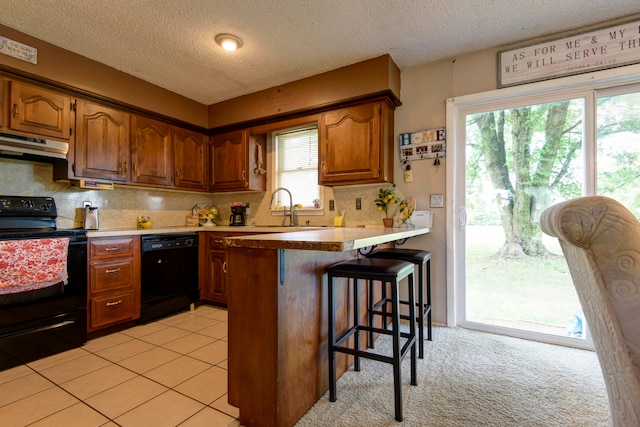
<point>420,259</point>
<point>387,272</point>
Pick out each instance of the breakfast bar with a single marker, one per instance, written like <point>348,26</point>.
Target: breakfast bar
<point>277,317</point>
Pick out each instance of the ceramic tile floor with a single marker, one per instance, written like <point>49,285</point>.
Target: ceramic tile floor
<point>172,372</point>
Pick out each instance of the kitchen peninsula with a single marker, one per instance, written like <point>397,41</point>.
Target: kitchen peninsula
<point>278,317</point>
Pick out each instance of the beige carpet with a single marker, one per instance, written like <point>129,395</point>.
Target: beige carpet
<point>470,378</point>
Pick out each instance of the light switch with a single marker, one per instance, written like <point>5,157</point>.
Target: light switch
<point>437,201</point>
<point>408,176</point>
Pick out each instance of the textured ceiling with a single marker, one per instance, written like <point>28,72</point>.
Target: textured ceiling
<point>170,43</point>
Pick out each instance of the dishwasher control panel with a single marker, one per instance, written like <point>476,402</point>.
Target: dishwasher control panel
<point>168,241</point>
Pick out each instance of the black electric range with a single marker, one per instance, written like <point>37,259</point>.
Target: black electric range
<point>40,322</point>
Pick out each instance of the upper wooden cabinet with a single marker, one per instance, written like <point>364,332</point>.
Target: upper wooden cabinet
<point>151,153</point>
<point>356,145</point>
<point>230,168</point>
<point>101,142</point>
<point>37,111</point>
<point>190,159</point>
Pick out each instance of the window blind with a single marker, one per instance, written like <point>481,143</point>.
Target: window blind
<point>297,166</point>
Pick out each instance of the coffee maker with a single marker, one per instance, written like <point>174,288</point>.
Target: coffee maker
<point>239,213</point>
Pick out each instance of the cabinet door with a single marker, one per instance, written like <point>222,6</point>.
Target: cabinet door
<point>102,142</point>
<point>190,159</point>
<point>350,145</point>
<point>229,161</point>
<point>216,265</point>
<point>38,111</point>
<point>150,151</point>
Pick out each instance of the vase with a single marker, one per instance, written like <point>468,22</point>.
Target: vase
<point>388,222</point>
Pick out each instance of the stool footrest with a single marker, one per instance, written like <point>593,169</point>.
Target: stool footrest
<point>376,308</point>
<point>410,340</point>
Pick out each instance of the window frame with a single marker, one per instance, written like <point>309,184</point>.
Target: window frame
<point>273,182</point>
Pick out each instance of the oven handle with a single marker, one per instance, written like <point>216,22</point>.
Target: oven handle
<point>41,328</point>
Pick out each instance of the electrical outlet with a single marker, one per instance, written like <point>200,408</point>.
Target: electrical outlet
<point>332,205</point>
<point>86,204</point>
<point>358,203</point>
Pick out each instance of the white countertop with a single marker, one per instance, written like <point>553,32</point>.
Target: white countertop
<point>279,237</point>
<point>326,239</point>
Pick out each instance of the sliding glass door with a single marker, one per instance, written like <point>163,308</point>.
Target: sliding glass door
<point>514,158</point>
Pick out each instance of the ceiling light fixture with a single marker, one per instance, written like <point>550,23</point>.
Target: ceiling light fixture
<point>229,41</point>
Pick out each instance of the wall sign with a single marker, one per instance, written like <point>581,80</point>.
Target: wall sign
<point>593,50</point>
<point>424,144</point>
<point>18,50</point>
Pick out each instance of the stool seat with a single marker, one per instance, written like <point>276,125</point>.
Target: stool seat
<point>421,259</point>
<point>389,273</point>
<point>411,255</point>
<point>370,269</point>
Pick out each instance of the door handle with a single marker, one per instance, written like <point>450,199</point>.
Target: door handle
<point>15,111</point>
<point>224,267</point>
<point>462,218</point>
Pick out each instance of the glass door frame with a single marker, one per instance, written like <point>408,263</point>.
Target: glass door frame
<point>457,108</point>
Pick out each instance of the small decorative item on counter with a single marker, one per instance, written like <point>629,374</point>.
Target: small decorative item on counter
<point>405,210</point>
<point>386,197</point>
<point>144,222</point>
<point>209,217</point>
<point>193,220</point>
<point>316,203</point>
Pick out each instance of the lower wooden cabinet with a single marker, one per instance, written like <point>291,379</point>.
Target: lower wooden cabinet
<point>213,261</point>
<point>114,281</point>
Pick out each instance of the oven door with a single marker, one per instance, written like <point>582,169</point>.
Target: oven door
<point>48,321</point>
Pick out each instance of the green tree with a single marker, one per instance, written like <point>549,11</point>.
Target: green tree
<point>526,152</point>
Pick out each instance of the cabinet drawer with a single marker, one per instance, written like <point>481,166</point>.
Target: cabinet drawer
<point>110,275</point>
<point>111,248</point>
<point>112,308</point>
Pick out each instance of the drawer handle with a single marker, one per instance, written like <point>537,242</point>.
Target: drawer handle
<point>112,249</point>
<point>109,304</point>
<point>115,270</point>
<point>15,111</point>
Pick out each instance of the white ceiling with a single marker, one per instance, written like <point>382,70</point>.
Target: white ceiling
<point>170,43</point>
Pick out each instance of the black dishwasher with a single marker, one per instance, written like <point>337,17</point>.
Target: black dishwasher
<point>169,274</point>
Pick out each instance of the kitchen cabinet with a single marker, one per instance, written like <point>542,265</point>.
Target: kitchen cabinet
<point>114,281</point>
<point>230,163</point>
<point>189,159</point>
<point>101,142</point>
<point>36,111</point>
<point>151,152</point>
<point>356,145</point>
<point>213,263</point>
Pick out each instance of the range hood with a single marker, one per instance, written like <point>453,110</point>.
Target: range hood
<point>28,148</point>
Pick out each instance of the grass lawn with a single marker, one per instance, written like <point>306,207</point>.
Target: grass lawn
<point>534,294</point>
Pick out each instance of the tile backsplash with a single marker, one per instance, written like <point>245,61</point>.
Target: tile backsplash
<point>120,207</point>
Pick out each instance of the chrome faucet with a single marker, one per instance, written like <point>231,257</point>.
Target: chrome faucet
<point>291,214</point>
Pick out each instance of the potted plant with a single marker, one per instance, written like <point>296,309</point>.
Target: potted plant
<point>316,203</point>
<point>385,198</point>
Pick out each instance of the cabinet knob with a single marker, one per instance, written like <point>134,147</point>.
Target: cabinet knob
<point>15,111</point>
<point>109,304</point>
